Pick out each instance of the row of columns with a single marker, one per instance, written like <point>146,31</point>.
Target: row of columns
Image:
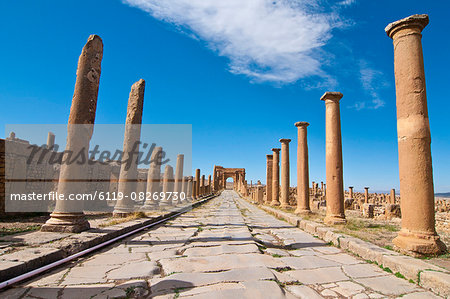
<point>68,215</point>
<point>418,232</point>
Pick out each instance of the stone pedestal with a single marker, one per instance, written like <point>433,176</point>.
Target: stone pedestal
<point>284,172</point>
<point>68,215</point>
<point>276,177</point>
<point>302,170</point>
<point>335,185</point>
<point>269,172</point>
<point>418,234</point>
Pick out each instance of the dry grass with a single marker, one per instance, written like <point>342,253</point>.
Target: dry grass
<point>113,221</point>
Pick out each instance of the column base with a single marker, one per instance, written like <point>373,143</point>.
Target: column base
<point>334,220</point>
<point>66,223</point>
<point>302,211</point>
<point>275,203</point>
<point>152,205</point>
<point>419,243</point>
<point>123,211</point>
<point>285,206</point>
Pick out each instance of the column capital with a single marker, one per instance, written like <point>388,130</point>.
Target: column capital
<point>418,21</point>
<point>285,140</point>
<point>301,124</point>
<point>332,96</point>
<point>269,157</point>
<point>276,150</point>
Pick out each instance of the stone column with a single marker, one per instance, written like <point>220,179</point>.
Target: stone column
<point>392,197</point>
<point>50,140</point>
<point>194,189</point>
<point>168,185</point>
<point>129,167</point>
<point>153,179</point>
<point>179,173</point>
<point>418,233</point>
<point>209,184</point>
<point>334,180</point>
<point>366,194</point>
<point>285,172</point>
<point>350,192</point>
<point>302,169</point>
<point>68,216</point>
<point>202,186</point>
<point>269,172</point>
<point>190,181</point>
<point>276,177</point>
<point>197,183</point>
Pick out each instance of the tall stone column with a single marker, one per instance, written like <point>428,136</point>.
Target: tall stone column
<point>50,140</point>
<point>168,184</point>
<point>197,184</point>
<point>302,169</point>
<point>202,186</point>
<point>190,182</point>
<point>68,215</point>
<point>179,173</point>
<point>153,179</point>
<point>392,197</point>
<point>269,172</point>
<point>366,194</point>
<point>276,177</point>
<point>285,172</point>
<point>333,151</point>
<point>350,192</point>
<point>194,189</point>
<point>209,184</point>
<point>129,168</point>
<point>418,233</point>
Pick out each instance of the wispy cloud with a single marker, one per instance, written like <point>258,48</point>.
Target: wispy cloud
<point>347,2</point>
<point>372,81</point>
<point>266,40</point>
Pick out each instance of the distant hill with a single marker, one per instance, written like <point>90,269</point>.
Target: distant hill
<point>447,194</point>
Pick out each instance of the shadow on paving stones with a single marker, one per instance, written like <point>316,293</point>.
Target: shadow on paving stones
<point>208,224</point>
<point>206,239</point>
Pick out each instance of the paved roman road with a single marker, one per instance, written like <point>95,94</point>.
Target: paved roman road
<point>226,248</point>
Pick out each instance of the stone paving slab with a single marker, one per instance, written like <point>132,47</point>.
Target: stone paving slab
<point>201,254</point>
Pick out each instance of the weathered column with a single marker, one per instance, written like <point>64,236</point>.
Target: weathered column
<point>202,186</point>
<point>418,233</point>
<point>197,183</point>
<point>392,197</point>
<point>366,194</point>
<point>350,192</point>
<point>334,180</point>
<point>276,177</point>
<point>129,167</point>
<point>168,185</point>
<point>183,190</point>
<point>179,174</point>
<point>209,184</point>
<point>285,172</point>
<point>68,215</point>
<point>190,182</point>
<point>302,169</point>
<point>269,172</point>
<point>153,179</point>
<point>50,140</point>
<point>194,189</point>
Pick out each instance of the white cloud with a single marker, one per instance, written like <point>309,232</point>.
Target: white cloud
<point>372,81</point>
<point>347,2</point>
<point>266,40</point>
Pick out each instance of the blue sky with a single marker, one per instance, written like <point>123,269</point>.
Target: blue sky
<point>241,72</point>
